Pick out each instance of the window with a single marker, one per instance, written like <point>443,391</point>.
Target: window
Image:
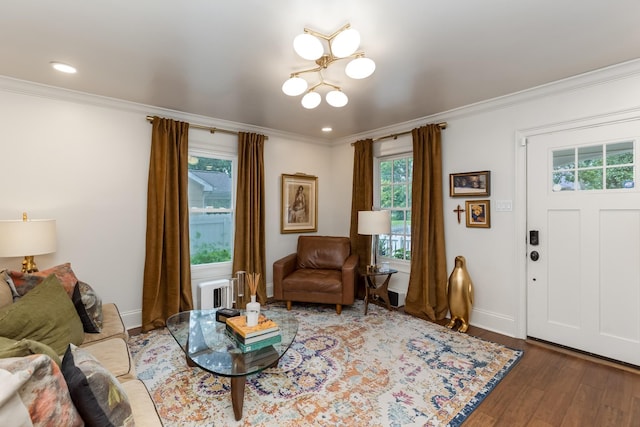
<point>211,209</point>
<point>594,167</point>
<point>394,193</point>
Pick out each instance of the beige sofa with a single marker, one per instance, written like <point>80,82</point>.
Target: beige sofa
<point>35,330</point>
<point>111,349</point>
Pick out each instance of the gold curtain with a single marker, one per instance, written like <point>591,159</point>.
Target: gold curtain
<point>249,240</point>
<point>167,268</point>
<point>427,293</point>
<point>361,200</point>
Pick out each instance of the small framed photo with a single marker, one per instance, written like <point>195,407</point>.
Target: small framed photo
<point>470,184</point>
<point>478,213</point>
<point>299,207</point>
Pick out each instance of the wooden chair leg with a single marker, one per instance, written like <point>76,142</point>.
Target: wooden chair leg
<point>288,305</point>
<point>338,308</point>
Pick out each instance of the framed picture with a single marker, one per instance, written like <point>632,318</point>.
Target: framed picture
<point>470,184</point>
<point>299,204</point>
<point>478,213</point>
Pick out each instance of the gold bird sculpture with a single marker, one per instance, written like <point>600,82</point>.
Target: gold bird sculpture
<point>460,295</point>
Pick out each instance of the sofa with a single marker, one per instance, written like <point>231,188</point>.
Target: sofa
<point>64,357</point>
<point>322,270</point>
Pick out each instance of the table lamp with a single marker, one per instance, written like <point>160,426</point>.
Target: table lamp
<point>374,223</point>
<point>27,238</point>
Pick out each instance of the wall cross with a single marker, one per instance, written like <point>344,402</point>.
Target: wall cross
<point>458,210</point>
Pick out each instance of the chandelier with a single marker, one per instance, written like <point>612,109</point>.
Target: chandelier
<point>343,44</point>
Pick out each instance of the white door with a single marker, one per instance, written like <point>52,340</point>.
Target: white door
<point>583,200</point>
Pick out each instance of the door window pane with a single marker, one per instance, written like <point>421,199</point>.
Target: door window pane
<point>590,156</point>
<point>595,167</point>
<point>620,153</point>
<point>564,159</point>
<point>620,177</point>
<point>590,179</point>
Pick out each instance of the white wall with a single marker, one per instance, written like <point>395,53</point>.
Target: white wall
<point>486,136</point>
<point>83,160</point>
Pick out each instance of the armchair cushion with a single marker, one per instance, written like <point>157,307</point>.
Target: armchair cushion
<point>321,252</point>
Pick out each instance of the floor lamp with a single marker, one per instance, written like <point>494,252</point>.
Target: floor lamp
<point>27,238</point>
<point>374,223</point>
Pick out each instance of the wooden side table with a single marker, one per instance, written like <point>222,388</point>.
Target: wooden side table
<point>374,290</point>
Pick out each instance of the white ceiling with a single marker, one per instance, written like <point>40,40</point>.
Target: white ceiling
<point>228,59</point>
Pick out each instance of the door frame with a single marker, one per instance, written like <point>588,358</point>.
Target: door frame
<point>520,198</point>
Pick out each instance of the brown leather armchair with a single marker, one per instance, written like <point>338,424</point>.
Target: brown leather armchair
<point>323,270</point>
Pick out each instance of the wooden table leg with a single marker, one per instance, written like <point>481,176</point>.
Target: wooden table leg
<point>237,395</point>
<point>366,294</point>
<point>383,292</point>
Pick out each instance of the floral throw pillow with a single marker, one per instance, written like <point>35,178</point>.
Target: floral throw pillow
<point>96,393</point>
<point>89,307</point>
<point>24,282</point>
<point>35,384</point>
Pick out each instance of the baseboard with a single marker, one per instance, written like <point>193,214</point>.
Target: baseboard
<point>494,322</point>
<point>131,319</point>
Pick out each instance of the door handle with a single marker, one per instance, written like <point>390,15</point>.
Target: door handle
<point>534,256</point>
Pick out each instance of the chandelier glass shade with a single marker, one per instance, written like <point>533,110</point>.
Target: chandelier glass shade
<point>360,68</point>
<point>295,86</point>
<point>342,44</point>
<point>308,47</point>
<point>311,100</point>
<point>336,98</point>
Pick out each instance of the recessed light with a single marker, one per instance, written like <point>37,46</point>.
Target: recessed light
<point>326,129</point>
<point>65,68</point>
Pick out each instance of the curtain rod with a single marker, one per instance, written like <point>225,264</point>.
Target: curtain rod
<point>442,125</point>
<point>209,128</point>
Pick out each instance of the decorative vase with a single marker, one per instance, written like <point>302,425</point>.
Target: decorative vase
<point>253,311</point>
<point>460,295</point>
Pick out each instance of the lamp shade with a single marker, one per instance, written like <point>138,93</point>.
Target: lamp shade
<point>374,222</point>
<point>27,238</point>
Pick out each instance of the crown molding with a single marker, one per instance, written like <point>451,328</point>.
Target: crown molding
<point>593,78</point>
<point>23,87</point>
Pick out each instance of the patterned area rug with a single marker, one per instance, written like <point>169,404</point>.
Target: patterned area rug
<point>383,369</point>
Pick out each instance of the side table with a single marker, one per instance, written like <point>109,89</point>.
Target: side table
<point>374,290</point>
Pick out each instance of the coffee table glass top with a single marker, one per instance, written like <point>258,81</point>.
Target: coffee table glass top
<point>206,344</point>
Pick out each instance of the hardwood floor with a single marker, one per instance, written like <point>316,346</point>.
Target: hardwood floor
<point>553,387</point>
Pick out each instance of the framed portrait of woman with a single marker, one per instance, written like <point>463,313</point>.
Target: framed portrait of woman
<point>299,204</point>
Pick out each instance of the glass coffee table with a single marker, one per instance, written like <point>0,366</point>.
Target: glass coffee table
<point>207,346</point>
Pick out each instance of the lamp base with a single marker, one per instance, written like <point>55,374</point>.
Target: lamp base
<point>373,268</point>
<point>29,265</point>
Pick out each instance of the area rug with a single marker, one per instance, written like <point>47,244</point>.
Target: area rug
<point>382,369</point>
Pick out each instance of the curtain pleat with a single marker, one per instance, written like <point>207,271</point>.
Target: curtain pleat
<point>427,292</point>
<point>361,200</point>
<point>167,268</point>
<point>249,240</point>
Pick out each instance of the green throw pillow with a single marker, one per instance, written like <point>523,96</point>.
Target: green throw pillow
<point>25,347</point>
<point>45,314</point>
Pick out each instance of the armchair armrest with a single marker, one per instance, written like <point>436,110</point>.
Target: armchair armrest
<point>349,279</point>
<point>281,269</point>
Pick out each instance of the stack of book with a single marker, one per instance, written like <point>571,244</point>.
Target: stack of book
<point>250,338</point>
